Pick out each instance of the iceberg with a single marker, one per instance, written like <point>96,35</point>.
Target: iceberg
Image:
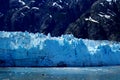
<point>24,49</point>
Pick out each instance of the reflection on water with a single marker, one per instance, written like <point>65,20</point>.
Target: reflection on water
<point>98,73</point>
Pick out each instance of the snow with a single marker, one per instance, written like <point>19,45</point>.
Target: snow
<point>35,8</point>
<point>105,16</point>
<point>22,2</point>
<point>25,7</point>
<point>28,49</point>
<point>50,16</point>
<point>102,4</point>
<point>60,1</point>
<point>111,12</point>
<point>57,5</point>
<point>91,19</point>
<point>109,0</point>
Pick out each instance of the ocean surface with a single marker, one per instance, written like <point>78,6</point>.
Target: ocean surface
<point>87,73</point>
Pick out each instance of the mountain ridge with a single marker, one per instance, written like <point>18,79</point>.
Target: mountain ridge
<point>92,19</point>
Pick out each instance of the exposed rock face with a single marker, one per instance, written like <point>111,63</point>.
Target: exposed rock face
<point>94,19</point>
<point>100,22</point>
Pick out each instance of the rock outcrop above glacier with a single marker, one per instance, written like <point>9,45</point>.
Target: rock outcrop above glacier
<point>93,19</point>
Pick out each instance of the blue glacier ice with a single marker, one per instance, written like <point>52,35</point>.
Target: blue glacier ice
<point>29,49</point>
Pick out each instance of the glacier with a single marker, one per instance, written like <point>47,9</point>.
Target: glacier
<point>24,49</point>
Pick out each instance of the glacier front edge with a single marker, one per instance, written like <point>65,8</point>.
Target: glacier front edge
<point>24,49</point>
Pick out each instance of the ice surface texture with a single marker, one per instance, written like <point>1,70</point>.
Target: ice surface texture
<point>37,50</point>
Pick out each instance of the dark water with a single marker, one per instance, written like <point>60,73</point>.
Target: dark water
<point>94,73</point>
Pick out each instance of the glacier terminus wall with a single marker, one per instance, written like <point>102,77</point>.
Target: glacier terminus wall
<point>26,49</point>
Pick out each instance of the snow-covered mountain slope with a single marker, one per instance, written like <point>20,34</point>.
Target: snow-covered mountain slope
<point>28,49</point>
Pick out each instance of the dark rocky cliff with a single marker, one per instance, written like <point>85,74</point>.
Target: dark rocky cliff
<point>93,19</point>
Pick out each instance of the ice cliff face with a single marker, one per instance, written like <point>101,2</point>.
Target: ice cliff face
<point>28,49</point>
<point>93,19</point>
